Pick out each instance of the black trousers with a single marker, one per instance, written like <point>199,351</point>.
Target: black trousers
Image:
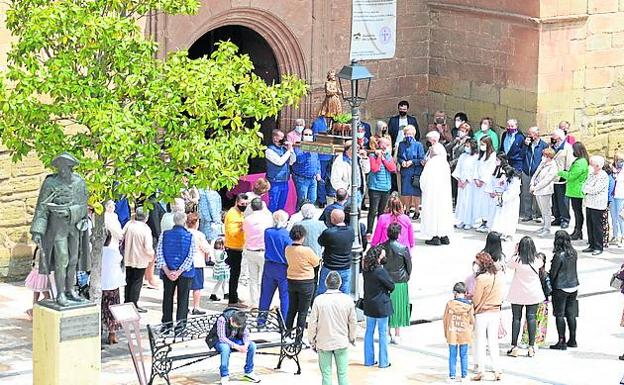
<point>134,282</point>
<point>577,207</point>
<point>565,308</point>
<point>595,231</point>
<point>183,286</point>
<point>234,258</point>
<point>516,316</point>
<point>377,205</point>
<point>300,294</point>
<point>561,204</point>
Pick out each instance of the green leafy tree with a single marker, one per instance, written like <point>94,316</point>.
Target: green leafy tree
<point>83,78</point>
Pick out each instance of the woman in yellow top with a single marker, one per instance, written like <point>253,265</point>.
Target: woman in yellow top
<point>301,263</point>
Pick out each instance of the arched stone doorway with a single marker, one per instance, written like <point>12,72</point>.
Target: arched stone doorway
<point>253,44</point>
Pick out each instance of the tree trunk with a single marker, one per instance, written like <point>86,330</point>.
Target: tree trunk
<point>97,243</point>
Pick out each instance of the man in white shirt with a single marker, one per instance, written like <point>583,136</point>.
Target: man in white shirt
<point>341,171</point>
<point>279,156</point>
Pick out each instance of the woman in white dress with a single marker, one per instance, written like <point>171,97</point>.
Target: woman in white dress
<point>437,201</point>
<point>486,164</point>
<point>464,173</point>
<point>508,210</point>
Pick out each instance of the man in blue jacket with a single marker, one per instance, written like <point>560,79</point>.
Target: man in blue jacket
<point>279,156</point>
<point>532,148</point>
<point>512,142</point>
<point>397,123</point>
<point>306,172</point>
<point>174,259</point>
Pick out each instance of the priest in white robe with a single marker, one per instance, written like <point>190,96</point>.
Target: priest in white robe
<point>437,202</point>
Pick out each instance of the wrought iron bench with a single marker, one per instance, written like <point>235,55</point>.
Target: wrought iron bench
<point>164,337</point>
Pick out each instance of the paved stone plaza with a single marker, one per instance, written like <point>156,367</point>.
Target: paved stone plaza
<point>421,358</point>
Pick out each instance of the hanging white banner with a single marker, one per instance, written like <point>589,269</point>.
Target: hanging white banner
<point>373,29</point>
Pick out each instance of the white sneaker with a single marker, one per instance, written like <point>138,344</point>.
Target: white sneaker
<point>225,380</point>
<point>397,340</point>
<point>251,377</point>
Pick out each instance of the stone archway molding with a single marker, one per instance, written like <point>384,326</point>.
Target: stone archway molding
<point>286,48</point>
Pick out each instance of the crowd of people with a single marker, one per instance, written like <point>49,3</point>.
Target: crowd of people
<point>455,179</point>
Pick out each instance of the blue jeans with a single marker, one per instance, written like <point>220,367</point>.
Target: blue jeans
<point>325,188</point>
<point>278,195</point>
<point>616,220</point>
<point>463,358</point>
<point>225,350</point>
<point>369,341</point>
<point>274,277</point>
<point>344,274</point>
<point>306,189</point>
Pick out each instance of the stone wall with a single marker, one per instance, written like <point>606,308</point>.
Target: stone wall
<point>582,71</point>
<point>483,59</point>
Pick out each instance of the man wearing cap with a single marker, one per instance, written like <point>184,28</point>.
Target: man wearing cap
<point>59,228</point>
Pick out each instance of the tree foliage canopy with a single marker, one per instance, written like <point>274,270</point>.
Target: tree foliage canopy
<point>83,78</point>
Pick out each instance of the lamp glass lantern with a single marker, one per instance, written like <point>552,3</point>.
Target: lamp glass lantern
<point>354,81</point>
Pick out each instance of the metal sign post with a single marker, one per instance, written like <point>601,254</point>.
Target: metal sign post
<point>127,315</point>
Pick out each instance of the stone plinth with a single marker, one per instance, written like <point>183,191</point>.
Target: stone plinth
<point>66,345</point>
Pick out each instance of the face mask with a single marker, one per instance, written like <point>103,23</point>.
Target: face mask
<point>483,147</point>
<point>458,123</point>
<point>475,268</point>
<point>439,120</point>
<point>485,127</point>
<point>360,135</point>
<point>619,163</point>
<point>467,150</point>
<point>461,134</point>
<point>402,113</point>
<point>308,138</point>
<point>241,207</point>
<point>410,139</point>
<point>299,129</point>
<point>512,130</point>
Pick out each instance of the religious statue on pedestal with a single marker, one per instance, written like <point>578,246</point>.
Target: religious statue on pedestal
<point>60,227</point>
<point>332,105</point>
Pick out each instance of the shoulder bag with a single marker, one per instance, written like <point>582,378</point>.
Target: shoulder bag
<point>544,280</point>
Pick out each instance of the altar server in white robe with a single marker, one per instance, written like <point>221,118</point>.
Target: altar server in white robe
<point>486,164</point>
<point>437,202</point>
<point>464,173</point>
<point>508,209</point>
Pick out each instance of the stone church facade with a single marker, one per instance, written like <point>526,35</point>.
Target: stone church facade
<point>540,61</point>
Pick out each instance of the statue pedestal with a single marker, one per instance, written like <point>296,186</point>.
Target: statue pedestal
<point>66,344</point>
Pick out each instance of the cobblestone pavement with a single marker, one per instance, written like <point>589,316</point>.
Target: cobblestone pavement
<point>421,358</point>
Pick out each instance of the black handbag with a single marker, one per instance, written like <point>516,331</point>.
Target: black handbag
<point>359,304</point>
<point>415,181</point>
<point>544,280</point>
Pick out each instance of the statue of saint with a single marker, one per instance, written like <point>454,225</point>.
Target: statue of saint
<point>60,226</point>
<point>332,106</point>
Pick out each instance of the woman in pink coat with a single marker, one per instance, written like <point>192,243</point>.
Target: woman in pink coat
<point>525,291</point>
<point>394,214</point>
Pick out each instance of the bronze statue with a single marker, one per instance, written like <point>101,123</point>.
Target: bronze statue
<point>60,228</point>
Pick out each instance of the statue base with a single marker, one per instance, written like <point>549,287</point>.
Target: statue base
<point>66,344</point>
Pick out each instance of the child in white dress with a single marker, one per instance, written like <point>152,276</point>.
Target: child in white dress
<point>464,173</point>
<point>508,210</point>
<point>486,164</point>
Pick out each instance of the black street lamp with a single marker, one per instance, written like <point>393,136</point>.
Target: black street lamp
<point>354,81</point>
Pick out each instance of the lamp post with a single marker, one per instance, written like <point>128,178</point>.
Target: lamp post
<point>354,81</point>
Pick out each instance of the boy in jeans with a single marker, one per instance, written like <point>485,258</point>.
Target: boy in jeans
<point>458,324</point>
